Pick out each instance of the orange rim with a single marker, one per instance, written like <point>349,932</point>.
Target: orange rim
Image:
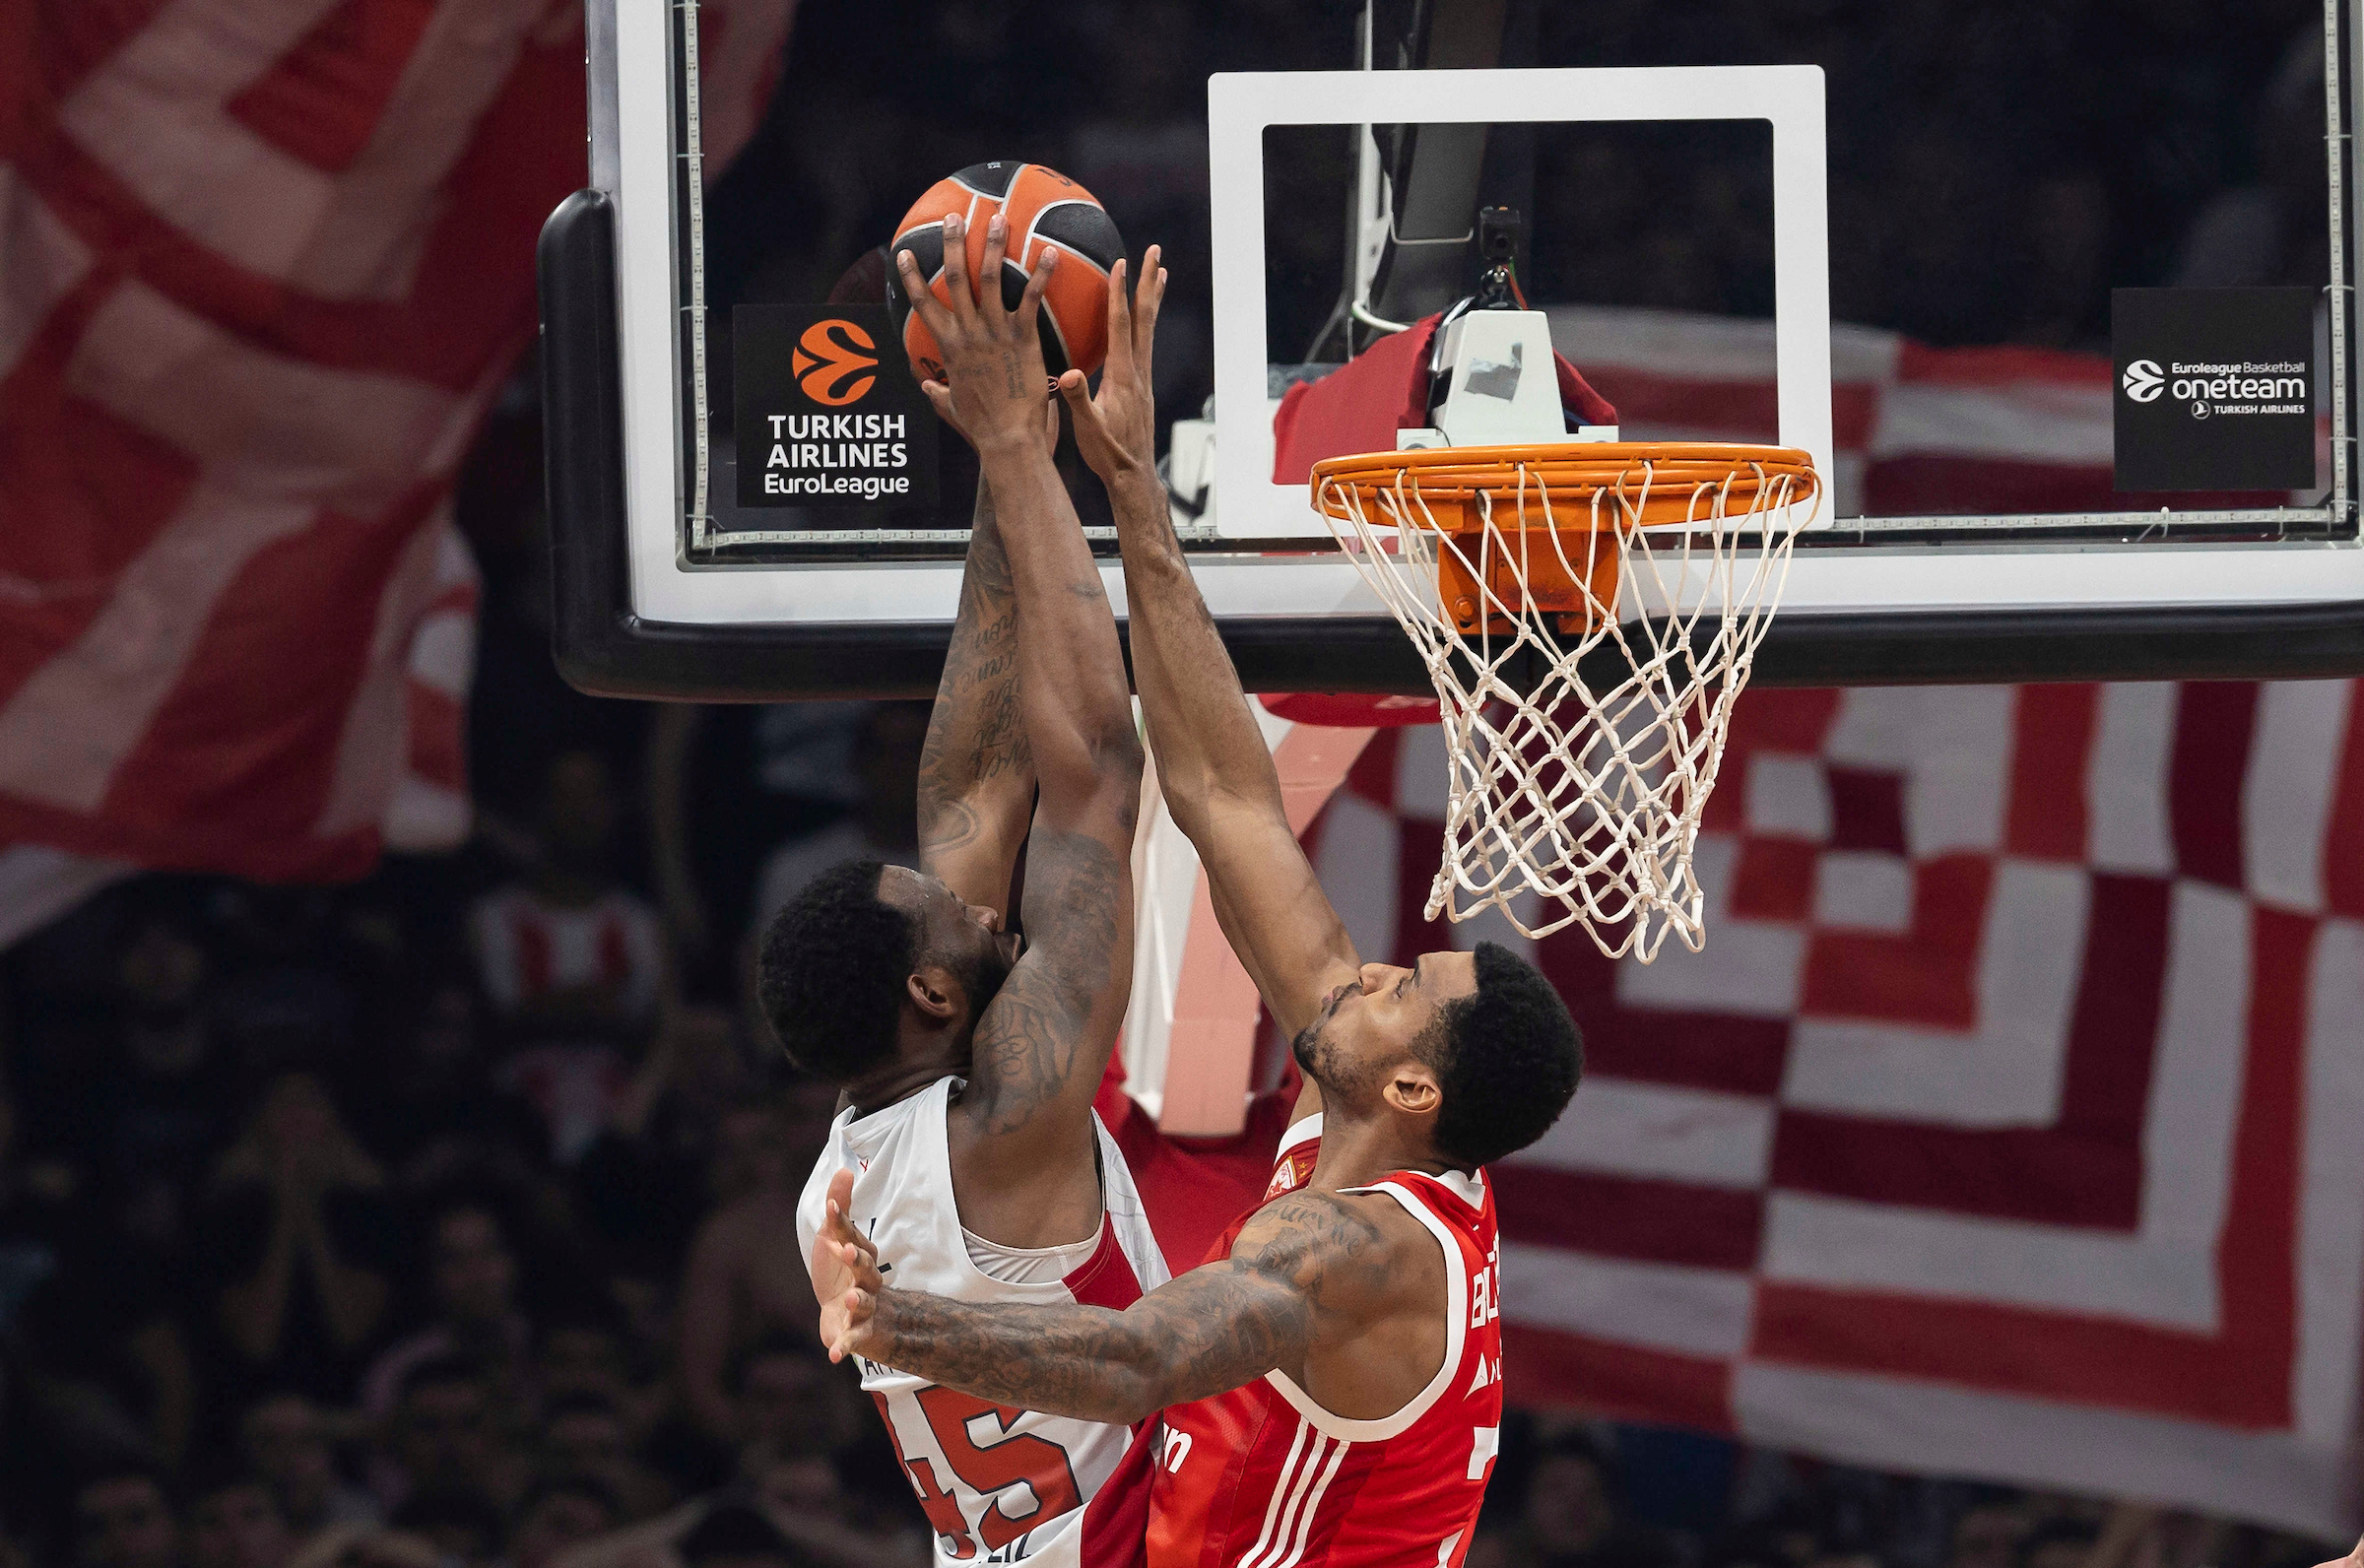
<point>1574,469</point>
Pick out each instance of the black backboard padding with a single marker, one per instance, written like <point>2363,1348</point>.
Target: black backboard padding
<point>602,647</point>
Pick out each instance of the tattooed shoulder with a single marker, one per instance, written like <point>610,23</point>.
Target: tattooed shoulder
<point>1335,1247</point>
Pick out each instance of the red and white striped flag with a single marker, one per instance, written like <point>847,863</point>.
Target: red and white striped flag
<point>263,263</point>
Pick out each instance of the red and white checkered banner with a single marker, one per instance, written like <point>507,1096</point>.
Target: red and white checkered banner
<point>263,263</point>
<point>2011,1123</point>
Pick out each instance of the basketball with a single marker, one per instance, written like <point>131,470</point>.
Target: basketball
<point>1045,209</point>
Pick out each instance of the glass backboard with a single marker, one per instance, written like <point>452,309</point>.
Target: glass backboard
<point>1903,248</point>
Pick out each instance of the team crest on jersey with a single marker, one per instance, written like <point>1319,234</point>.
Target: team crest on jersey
<point>1284,1179</point>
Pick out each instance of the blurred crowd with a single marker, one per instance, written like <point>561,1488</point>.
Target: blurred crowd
<point>444,1218</point>
<point>445,1221</point>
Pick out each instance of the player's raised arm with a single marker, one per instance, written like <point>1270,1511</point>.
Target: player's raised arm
<point>976,776</point>
<point>1042,1043</point>
<point>1213,764</point>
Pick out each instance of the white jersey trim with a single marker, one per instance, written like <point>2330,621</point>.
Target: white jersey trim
<point>1457,1317</point>
<point>1306,1131</point>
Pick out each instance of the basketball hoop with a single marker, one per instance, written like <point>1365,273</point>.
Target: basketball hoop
<point>1588,613</point>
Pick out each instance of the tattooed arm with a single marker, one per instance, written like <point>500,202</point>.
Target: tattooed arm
<point>1021,1138</point>
<point>1313,1275</point>
<point>976,775</point>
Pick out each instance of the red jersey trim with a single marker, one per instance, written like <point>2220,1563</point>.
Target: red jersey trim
<point>1457,1317</point>
<point>1107,1277</point>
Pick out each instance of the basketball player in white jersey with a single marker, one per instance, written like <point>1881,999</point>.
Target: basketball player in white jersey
<point>1331,1377</point>
<point>966,1139</point>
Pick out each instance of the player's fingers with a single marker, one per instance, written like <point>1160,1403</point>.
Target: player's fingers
<point>940,397</point>
<point>989,270</point>
<point>956,270</point>
<point>1029,304</point>
<point>923,298</point>
<point>1090,420</point>
<point>1149,299</point>
<point>1120,321</point>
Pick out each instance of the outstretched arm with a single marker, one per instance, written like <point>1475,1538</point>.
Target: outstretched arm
<point>1213,764</point>
<point>1024,1123</point>
<point>976,776</point>
<point>1305,1264</point>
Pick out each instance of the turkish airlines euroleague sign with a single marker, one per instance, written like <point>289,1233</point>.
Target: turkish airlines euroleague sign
<point>823,416</point>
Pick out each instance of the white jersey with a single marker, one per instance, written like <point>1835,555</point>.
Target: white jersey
<point>998,1485</point>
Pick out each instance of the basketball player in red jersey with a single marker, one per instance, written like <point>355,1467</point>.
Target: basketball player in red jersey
<point>1331,1377</point>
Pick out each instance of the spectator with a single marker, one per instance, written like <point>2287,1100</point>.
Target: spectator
<point>586,1353</point>
<point>790,1401</point>
<point>734,1536</point>
<point>1571,1518</point>
<point>882,826</point>
<point>2061,1543</point>
<point>441,1438</point>
<point>286,1440</point>
<point>458,1521</point>
<point>164,1100</point>
<point>574,964</point>
<point>472,1274</point>
<point>234,1522</point>
<point>741,1283</point>
<point>123,1518</point>
<point>296,1232</point>
<point>558,1513</point>
<point>585,1434</point>
<point>1987,1535</point>
<point>73,1297</point>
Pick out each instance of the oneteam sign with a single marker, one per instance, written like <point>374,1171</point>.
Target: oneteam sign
<point>824,418</point>
<point>2216,388</point>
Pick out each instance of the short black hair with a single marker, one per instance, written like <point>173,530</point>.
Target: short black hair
<point>1508,1056</point>
<point>832,972</point>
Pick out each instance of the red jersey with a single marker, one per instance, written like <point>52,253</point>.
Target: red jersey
<point>1263,1477</point>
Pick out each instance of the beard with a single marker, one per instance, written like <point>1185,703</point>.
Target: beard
<point>1306,1048</point>
<point>983,977</point>
<point>1322,1060</point>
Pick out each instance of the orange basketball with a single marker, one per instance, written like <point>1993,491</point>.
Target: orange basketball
<point>1045,209</point>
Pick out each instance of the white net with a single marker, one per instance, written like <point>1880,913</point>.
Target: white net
<point>1588,614</point>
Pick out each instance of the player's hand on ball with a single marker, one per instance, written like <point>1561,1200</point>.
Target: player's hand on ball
<point>845,1274</point>
<point>1117,430</point>
<point>992,354</point>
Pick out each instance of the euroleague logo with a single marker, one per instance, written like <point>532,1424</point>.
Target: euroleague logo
<point>834,362</point>
<point>2145,381</point>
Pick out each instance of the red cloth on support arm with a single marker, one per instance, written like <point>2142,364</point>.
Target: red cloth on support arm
<point>1360,406</point>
